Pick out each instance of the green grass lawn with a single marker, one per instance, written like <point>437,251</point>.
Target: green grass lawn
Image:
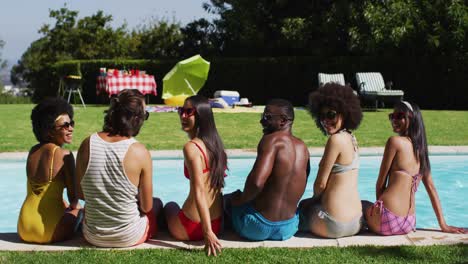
<point>367,254</point>
<point>403,254</point>
<point>238,130</point>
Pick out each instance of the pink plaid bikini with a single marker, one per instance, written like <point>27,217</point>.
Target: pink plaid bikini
<point>391,224</point>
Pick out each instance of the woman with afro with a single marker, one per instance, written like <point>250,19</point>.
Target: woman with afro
<point>335,208</point>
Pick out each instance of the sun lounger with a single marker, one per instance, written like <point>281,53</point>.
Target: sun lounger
<point>372,87</point>
<point>324,78</point>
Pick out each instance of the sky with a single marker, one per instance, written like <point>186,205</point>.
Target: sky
<point>20,20</point>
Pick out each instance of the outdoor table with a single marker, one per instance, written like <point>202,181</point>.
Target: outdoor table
<point>112,84</point>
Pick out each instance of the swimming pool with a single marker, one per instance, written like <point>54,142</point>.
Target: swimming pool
<point>450,175</point>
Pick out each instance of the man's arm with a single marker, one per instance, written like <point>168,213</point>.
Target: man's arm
<point>81,165</point>
<point>145,188</point>
<point>266,153</point>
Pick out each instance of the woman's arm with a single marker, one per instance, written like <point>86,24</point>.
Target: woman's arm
<point>197,184</point>
<point>330,155</point>
<point>431,190</point>
<point>391,149</point>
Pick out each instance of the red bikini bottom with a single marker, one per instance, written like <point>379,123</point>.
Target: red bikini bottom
<point>194,229</point>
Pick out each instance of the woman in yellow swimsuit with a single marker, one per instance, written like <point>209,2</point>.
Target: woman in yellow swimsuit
<point>45,217</point>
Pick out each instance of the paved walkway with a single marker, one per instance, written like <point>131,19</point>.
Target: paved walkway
<point>422,237</point>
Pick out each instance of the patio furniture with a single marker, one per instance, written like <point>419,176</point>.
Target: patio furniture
<point>372,87</point>
<point>113,84</point>
<point>324,78</point>
<point>338,78</point>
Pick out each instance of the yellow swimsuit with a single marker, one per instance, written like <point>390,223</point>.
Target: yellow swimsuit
<point>42,209</point>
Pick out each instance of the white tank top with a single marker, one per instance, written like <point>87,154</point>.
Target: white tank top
<point>112,218</point>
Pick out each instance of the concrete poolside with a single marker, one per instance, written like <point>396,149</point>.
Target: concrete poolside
<point>11,241</point>
<point>239,153</point>
<point>422,237</point>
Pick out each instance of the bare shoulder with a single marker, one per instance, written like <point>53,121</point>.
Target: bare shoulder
<point>277,137</point>
<point>397,142</point>
<point>138,149</point>
<point>52,150</point>
<point>338,139</point>
<point>273,141</point>
<point>299,142</point>
<point>190,150</point>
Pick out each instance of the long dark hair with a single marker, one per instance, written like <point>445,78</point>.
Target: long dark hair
<point>417,133</point>
<point>207,132</point>
<point>126,114</point>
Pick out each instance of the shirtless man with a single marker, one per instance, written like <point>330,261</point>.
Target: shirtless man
<point>267,208</point>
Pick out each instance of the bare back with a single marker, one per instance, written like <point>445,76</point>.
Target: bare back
<point>196,163</point>
<point>286,183</point>
<point>39,161</point>
<point>404,166</point>
<point>340,197</point>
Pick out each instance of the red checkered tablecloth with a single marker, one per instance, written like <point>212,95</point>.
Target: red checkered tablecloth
<point>114,84</point>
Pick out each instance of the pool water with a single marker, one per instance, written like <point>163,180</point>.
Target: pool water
<point>450,175</point>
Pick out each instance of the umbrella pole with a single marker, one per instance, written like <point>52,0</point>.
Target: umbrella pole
<point>190,86</point>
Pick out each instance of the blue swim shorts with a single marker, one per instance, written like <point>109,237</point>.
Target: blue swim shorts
<point>250,224</point>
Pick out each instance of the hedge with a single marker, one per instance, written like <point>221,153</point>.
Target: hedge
<point>431,82</point>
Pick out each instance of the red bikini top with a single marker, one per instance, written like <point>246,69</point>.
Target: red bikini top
<point>207,169</point>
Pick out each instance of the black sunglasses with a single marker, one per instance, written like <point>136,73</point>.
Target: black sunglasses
<point>187,111</point>
<point>67,125</point>
<point>268,117</point>
<point>330,115</point>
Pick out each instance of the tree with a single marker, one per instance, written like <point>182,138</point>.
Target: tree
<point>411,27</point>
<point>3,64</point>
<point>281,27</point>
<point>159,38</point>
<point>200,37</point>
<point>91,37</point>
<point>341,27</point>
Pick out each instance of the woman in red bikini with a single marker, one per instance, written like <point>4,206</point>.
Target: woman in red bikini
<point>205,162</point>
<point>405,163</point>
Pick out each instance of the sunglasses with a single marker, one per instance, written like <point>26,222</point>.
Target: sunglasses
<point>186,111</point>
<point>268,117</point>
<point>67,125</point>
<point>396,116</point>
<point>146,115</point>
<point>329,115</point>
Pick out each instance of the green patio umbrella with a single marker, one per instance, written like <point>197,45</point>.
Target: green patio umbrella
<point>186,78</point>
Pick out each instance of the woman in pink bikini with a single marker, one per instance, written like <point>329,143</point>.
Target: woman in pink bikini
<point>205,162</point>
<point>405,163</point>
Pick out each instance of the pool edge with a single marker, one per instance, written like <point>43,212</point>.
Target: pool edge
<point>249,153</point>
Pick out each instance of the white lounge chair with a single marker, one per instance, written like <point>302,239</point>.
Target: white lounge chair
<point>324,78</point>
<point>338,78</point>
<point>372,87</point>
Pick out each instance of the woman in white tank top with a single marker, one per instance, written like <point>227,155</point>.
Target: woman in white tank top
<point>115,172</point>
